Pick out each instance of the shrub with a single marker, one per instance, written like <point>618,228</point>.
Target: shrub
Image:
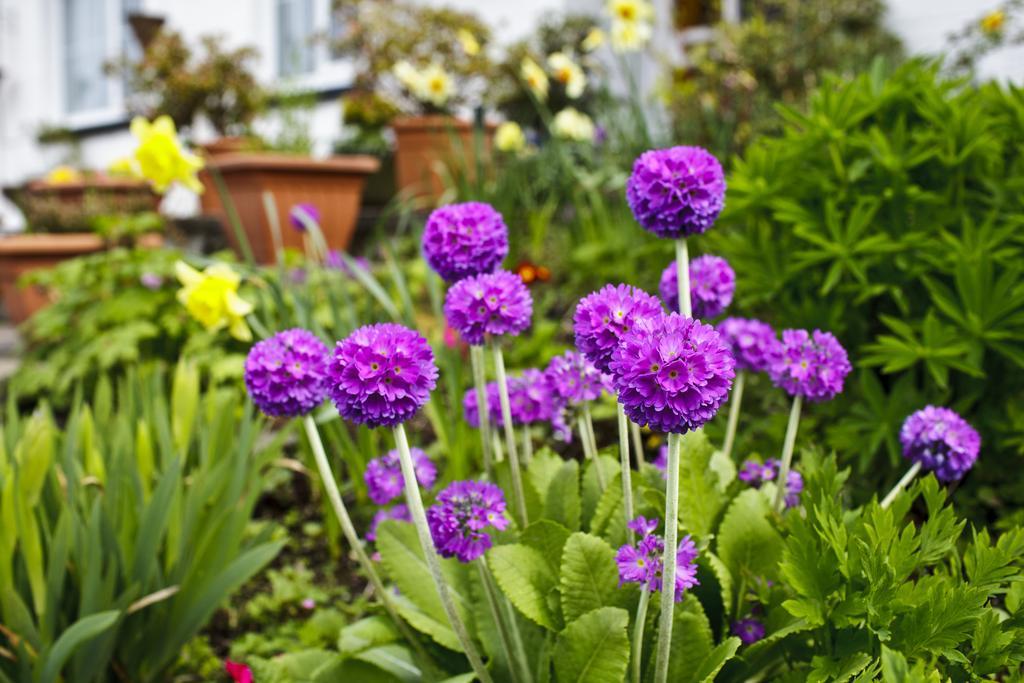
<point>890,213</point>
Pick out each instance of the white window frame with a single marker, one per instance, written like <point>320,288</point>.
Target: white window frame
<point>114,110</point>
<point>328,73</point>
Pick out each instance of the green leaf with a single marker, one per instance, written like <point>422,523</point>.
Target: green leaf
<point>549,539</point>
<point>365,634</point>
<point>748,544</point>
<point>594,648</point>
<point>894,666</point>
<point>589,577</point>
<point>716,659</point>
<point>76,635</point>
<point>184,402</point>
<point>562,503</point>
<point>524,577</point>
<point>700,500</point>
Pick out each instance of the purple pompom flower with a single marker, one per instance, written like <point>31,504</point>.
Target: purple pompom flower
<point>492,304</point>
<point>603,316</point>
<point>941,441</point>
<point>300,213</point>
<point>531,397</point>
<point>643,562</point>
<point>380,375</point>
<point>574,379</point>
<point>751,342</point>
<point>398,512</point>
<point>286,375</point>
<point>384,475</point>
<point>748,630</point>
<point>676,192</point>
<point>812,366</point>
<point>672,373</point>
<point>460,240</point>
<point>459,519</point>
<point>755,474</point>
<point>470,409</point>
<point>712,283</point>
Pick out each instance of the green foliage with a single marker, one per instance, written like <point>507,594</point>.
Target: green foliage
<point>889,214</point>
<point>123,533</point>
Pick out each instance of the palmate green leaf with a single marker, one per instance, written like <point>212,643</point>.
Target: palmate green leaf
<point>589,577</point>
<point>944,614</point>
<point>839,670</point>
<point>594,648</point>
<point>524,577</point>
<point>700,499</point>
<point>77,635</point>
<point>747,543</point>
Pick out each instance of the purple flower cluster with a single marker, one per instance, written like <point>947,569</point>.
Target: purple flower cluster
<point>463,512</point>
<point>809,365</point>
<point>942,441</point>
<point>300,213</point>
<point>676,192</point>
<point>574,379</point>
<point>470,409</point>
<point>751,342</point>
<point>672,373</point>
<point>460,240</point>
<point>530,398</point>
<point>603,316</point>
<point>493,304</point>
<point>712,283</point>
<point>398,512</point>
<point>643,562</point>
<point>756,474</point>
<point>286,374</point>
<point>380,375</point>
<point>748,630</point>
<point>384,475</point>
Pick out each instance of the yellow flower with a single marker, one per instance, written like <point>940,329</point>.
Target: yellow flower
<point>160,157</point>
<point>568,73</point>
<point>123,168</point>
<point>631,11</point>
<point>509,137</point>
<point>63,175</point>
<point>211,297</point>
<point>535,78</point>
<point>992,23</point>
<point>594,40</point>
<point>571,124</point>
<point>470,45</point>
<point>437,85</point>
<point>630,36</point>
<point>408,76</point>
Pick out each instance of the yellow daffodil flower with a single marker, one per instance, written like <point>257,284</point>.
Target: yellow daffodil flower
<point>595,39</point>
<point>410,78</point>
<point>437,85</point>
<point>470,45</point>
<point>509,137</point>
<point>568,73</point>
<point>535,78</point>
<point>63,175</point>
<point>211,297</point>
<point>160,157</point>
<point>630,36</point>
<point>993,22</point>
<point>631,11</point>
<point>570,124</point>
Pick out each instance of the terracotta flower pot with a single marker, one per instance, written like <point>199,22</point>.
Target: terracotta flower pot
<point>69,207</point>
<point>427,148</point>
<point>334,186</point>
<point>21,254</point>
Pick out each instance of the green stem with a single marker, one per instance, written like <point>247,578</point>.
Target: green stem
<point>419,520</point>
<point>638,632</point>
<point>476,356</point>
<point>900,485</point>
<point>627,479</point>
<point>347,528</point>
<point>734,413</point>
<point>787,453</point>
<point>668,572</point>
<point>683,273</point>
<point>589,426</point>
<point>510,435</point>
<point>516,656</point>
<point>638,443</point>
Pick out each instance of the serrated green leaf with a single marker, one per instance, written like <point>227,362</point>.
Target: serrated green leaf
<point>589,578</point>
<point>747,542</point>
<point>594,648</point>
<point>523,576</point>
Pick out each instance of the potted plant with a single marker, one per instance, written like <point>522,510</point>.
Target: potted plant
<point>430,62</point>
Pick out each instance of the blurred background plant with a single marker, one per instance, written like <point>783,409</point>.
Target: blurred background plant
<point>1002,27</point>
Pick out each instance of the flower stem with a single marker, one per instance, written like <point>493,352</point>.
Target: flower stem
<point>900,485</point>
<point>510,436</point>
<point>638,443</point>
<point>627,479</point>
<point>516,657</point>
<point>527,446</point>
<point>476,356</point>
<point>683,276</point>
<point>638,631</point>
<point>589,426</point>
<point>334,496</point>
<point>734,413</point>
<point>419,520</point>
<point>787,453</point>
<point>668,572</point>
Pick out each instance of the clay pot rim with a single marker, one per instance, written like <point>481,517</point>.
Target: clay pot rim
<point>356,164</point>
<point>96,182</point>
<point>435,122</point>
<point>26,244</point>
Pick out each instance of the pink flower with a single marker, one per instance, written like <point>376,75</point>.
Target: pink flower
<point>239,672</point>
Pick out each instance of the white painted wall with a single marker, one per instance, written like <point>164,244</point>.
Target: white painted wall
<point>31,84</point>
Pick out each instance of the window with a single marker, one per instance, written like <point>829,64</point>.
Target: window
<point>85,50</point>
<point>294,37</point>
